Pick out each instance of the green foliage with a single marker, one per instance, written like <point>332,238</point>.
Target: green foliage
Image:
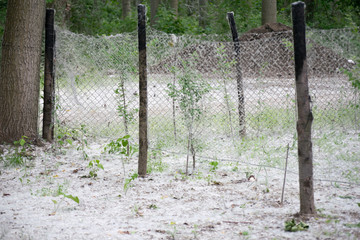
<point>214,166</point>
<point>155,162</point>
<point>292,226</point>
<point>327,14</point>
<point>121,146</point>
<point>21,153</point>
<point>128,181</point>
<point>123,109</point>
<point>351,225</point>
<point>188,91</point>
<point>94,166</point>
<point>354,74</point>
<point>64,136</point>
<point>168,22</point>
<point>58,203</point>
<point>99,17</point>
<point>104,17</point>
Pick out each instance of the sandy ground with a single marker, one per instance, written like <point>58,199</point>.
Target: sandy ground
<point>218,203</point>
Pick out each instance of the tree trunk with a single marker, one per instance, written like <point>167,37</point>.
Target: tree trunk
<point>268,11</point>
<point>125,8</point>
<point>175,6</point>
<point>310,7</point>
<point>202,13</point>
<point>20,68</point>
<point>154,5</point>
<point>305,117</point>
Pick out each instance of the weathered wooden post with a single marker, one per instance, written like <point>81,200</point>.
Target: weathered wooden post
<point>49,77</point>
<point>305,117</point>
<point>143,122</point>
<point>239,79</point>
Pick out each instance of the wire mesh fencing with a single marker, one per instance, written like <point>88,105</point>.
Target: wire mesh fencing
<point>192,87</point>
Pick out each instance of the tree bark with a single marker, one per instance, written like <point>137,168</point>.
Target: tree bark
<point>310,7</point>
<point>175,6</point>
<point>305,117</point>
<point>125,8</point>
<point>20,68</point>
<point>154,5</point>
<point>268,11</point>
<point>202,13</point>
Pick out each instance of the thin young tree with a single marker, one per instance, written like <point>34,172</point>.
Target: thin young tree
<point>20,69</point>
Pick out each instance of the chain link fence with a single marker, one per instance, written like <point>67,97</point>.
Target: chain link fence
<point>192,86</point>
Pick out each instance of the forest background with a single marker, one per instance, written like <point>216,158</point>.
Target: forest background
<point>106,17</point>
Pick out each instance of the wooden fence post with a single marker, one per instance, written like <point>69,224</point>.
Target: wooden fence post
<point>305,117</point>
<point>239,79</point>
<point>143,122</point>
<point>49,77</point>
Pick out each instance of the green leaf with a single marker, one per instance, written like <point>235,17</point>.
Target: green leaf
<point>101,166</point>
<point>54,201</point>
<point>22,142</point>
<point>75,199</point>
<point>346,197</point>
<point>291,226</point>
<point>352,225</point>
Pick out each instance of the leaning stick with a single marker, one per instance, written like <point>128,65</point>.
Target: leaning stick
<point>283,188</point>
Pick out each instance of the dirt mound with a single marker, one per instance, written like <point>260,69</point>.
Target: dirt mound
<point>266,51</point>
<point>259,33</point>
<point>270,27</point>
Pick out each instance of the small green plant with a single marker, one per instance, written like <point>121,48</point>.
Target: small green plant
<point>64,136</point>
<point>59,191</point>
<point>122,147</point>
<point>58,203</point>
<point>209,179</point>
<point>188,92</point>
<point>83,141</point>
<point>292,226</point>
<point>173,231</point>
<point>21,154</point>
<point>195,231</point>
<point>226,67</point>
<point>155,162</point>
<point>214,166</point>
<point>244,233</point>
<point>94,166</point>
<point>351,225</point>
<point>136,209</point>
<point>152,206</point>
<point>128,181</point>
<point>28,181</point>
<point>354,74</point>
<point>123,109</point>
